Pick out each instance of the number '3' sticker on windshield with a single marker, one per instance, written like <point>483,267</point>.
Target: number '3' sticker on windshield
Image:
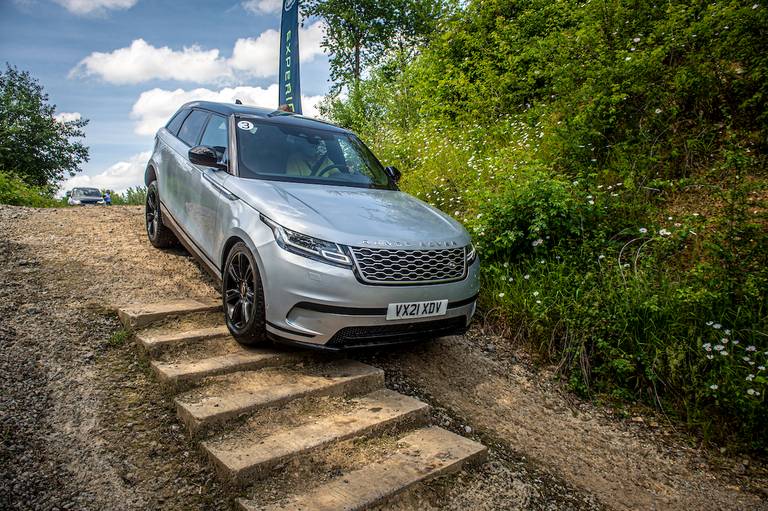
<point>245,125</point>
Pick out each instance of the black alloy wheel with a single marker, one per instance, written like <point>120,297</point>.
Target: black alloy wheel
<point>243,297</point>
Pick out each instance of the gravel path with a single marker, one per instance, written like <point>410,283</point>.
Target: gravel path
<point>85,426</point>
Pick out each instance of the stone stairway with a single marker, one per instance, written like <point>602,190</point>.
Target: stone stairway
<point>255,412</point>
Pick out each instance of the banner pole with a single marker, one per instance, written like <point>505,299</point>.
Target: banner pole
<point>289,77</point>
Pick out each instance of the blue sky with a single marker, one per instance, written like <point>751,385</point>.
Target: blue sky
<point>128,64</point>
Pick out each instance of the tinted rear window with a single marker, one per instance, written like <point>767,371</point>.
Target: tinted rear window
<point>175,123</point>
<point>192,126</point>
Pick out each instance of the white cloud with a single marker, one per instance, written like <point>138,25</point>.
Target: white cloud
<point>154,107</point>
<point>118,177</point>
<point>67,116</point>
<point>260,56</point>
<point>262,6</point>
<point>85,7</point>
<point>140,62</point>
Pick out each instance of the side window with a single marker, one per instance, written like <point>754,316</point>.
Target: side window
<point>192,127</point>
<point>215,134</point>
<point>175,123</point>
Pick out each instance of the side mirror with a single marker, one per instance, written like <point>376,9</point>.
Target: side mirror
<point>393,173</point>
<point>205,156</point>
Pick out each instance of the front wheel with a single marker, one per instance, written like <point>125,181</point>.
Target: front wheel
<point>243,297</point>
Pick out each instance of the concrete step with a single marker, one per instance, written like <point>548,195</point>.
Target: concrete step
<point>155,344</point>
<point>230,396</point>
<point>182,373</point>
<point>140,316</point>
<point>422,455</point>
<point>246,454</point>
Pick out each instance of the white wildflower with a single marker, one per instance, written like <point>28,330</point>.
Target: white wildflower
<point>506,265</point>
<point>591,202</point>
<point>710,323</point>
<point>526,276</point>
<point>714,386</point>
<point>750,377</point>
<point>658,111</point>
<point>724,353</point>
<point>719,347</point>
<point>538,302</point>
<point>745,359</point>
<point>535,293</point>
<point>664,232</point>
<point>601,257</point>
<point>643,230</point>
<point>724,340</point>
<point>710,357</point>
<point>636,40</point>
<point>751,348</point>
<point>538,242</point>
<point>717,326</point>
<point>707,346</point>
<point>727,331</point>
<point>510,279</point>
<point>753,392</point>
<point>501,295</point>
<point>761,368</point>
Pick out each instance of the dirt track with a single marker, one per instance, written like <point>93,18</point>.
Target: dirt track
<point>85,427</point>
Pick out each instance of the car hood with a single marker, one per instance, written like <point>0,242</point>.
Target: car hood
<point>351,216</point>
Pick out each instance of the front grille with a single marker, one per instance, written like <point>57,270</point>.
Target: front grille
<point>394,266</point>
<point>359,336</point>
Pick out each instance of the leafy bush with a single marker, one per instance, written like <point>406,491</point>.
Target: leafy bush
<point>16,192</point>
<point>131,197</point>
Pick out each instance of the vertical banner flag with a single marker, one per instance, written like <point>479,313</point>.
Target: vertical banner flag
<point>290,83</point>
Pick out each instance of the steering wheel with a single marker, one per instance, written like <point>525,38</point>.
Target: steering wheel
<point>324,170</point>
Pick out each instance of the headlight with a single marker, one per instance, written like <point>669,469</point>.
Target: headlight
<point>307,246</point>
<point>74,202</point>
<point>471,254</point>
<point>100,202</point>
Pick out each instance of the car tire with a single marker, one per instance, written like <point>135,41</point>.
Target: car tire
<point>159,235</point>
<point>243,297</point>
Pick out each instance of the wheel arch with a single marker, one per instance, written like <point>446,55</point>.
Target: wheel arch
<point>234,238</point>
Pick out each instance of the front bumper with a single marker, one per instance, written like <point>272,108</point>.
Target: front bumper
<point>325,306</point>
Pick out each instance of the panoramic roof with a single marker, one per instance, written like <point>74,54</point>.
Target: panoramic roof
<point>266,113</point>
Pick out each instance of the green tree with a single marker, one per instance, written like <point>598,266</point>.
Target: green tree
<point>33,145</point>
<point>360,33</point>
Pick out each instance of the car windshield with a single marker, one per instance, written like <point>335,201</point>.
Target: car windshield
<point>86,192</point>
<point>295,153</point>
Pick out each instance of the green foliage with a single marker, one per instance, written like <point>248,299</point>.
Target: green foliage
<point>360,33</point>
<point>609,159</point>
<point>16,192</point>
<point>33,145</point>
<point>131,197</point>
<point>118,338</point>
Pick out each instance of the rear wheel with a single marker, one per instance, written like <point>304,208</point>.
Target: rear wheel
<point>159,235</point>
<point>243,297</point>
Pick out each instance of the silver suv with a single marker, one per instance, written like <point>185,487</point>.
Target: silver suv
<point>308,233</point>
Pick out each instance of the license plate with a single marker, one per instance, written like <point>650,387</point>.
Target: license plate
<point>410,310</point>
